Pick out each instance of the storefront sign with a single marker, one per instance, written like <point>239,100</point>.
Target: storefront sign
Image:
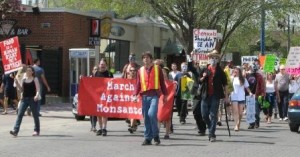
<point>117,31</point>
<point>11,56</point>
<point>94,41</point>
<point>95,28</point>
<point>18,31</point>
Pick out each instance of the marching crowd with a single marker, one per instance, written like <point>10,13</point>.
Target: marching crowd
<point>215,87</point>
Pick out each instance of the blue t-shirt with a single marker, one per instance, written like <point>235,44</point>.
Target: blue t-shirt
<point>38,73</point>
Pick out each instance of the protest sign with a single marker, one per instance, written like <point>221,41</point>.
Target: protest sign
<point>186,87</point>
<point>248,59</point>
<point>270,62</point>
<point>293,61</point>
<point>250,103</point>
<point>282,61</point>
<point>11,56</point>
<point>204,40</point>
<point>113,97</point>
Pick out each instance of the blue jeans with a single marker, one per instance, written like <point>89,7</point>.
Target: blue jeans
<point>209,111</point>
<point>25,102</point>
<point>270,97</point>
<point>149,109</point>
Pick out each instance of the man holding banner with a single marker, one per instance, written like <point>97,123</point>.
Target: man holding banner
<point>150,82</point>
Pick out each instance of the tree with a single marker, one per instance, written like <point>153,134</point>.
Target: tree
<point>8,7</point>
<point>182,16</point>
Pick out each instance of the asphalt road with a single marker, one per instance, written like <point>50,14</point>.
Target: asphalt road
<point>61,135</point>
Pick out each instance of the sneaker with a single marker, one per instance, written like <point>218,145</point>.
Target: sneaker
<point>14,133</point>
<point>201,133</point>
<point>146,143</point>
<point>280,119</point>
<point>251,127</point>
<point>156,140</point>
<point>256,125</point>
<point>138,122</point>
<point>182,122</point>
<point>35,133</point>
<point>166,137</point>
<point>130,130</point>
<point>99,132</point>
<point>4,113</point>
<point>285,118</point>
<point>213,139</point>
<point>219,123</point>
<point>104,132</point>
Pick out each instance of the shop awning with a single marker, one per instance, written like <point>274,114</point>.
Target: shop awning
<point>110,47</point>
<point>172,48</point>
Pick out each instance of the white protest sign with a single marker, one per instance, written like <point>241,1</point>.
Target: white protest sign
<point>250,102</point>
<point>204,39</point>
<point>293,61</point>
<point>248,59</point>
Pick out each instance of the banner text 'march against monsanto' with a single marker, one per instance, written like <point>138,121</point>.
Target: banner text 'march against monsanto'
<point>11,56</point>
<point>112,97</point>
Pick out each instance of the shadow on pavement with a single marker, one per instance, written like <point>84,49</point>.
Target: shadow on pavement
<point>252,142</point>
<point>183,145</point>
<point>59,117</point>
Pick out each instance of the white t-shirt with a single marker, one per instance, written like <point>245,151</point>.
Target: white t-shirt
<point>238,93</point>
<point>270,87</point>
<point>173,74</point>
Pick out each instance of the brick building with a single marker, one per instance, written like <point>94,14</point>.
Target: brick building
<point>50,35</point>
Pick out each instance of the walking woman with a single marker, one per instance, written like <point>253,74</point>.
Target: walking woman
<point>238,96</point>
<point>270,97</point>
<point>102,72</point>
<point>30,88</point>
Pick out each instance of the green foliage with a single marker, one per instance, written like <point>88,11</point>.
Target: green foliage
<point>237,20</point>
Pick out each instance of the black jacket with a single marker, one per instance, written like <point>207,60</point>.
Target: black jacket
<point>219,82</point>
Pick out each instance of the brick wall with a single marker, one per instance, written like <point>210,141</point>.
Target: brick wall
<point>66,31</point>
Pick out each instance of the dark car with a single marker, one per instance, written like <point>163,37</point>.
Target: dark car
<point>294,112</point>
<point>74,108</point>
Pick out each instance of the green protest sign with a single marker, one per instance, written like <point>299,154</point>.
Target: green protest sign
<point>270,63</point>
<point>282,61</point>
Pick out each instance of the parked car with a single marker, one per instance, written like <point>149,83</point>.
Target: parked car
<point>294,112</point>
<point>74,108</point>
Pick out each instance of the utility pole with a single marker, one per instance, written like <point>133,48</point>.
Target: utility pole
<point>262,31</point>
<point>289,34</point>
